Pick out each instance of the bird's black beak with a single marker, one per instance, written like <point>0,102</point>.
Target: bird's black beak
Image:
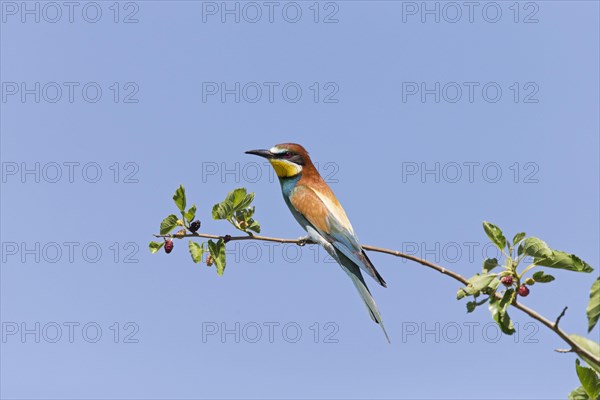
<point>262,153</point>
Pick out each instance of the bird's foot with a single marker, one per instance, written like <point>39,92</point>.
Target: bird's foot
<point>304,240</point>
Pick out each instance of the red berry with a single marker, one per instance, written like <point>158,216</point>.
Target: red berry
<point>507,280</point>
<point>168,246</point>
<point>523,291</point>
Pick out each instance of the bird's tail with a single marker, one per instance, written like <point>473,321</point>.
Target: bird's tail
<point>354,273</point>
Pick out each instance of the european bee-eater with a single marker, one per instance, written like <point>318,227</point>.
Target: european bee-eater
<point>316,209</point>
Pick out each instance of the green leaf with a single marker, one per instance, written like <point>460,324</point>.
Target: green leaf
<point>212,248</point>
<point>247,200</point>
<point>489,264</point>
<point>223,210</point>
<point>168,224</point>
<point>237,198</point>
<point>578,394</point>
<point>245,221</point>
<point>483,301</point>
<point>562,260</point>
<point>493,285</point>
<point>253,226</point>
<point>589,380</point>
<point>179,198</point>
<point>593,308</point>
<point>478,282</point>
<point>471,305</point>
<point>540,277</point>
<point>191,214</point>
<point>217,251</point>
<point>536,248</point>
<point>590,346</point>
<point>196,251</point>
<point>236,209</point>
<point>495,234</point>
<point>498,309</point>
<point>155,246</point>
<point>518,237</point>
<point>244,214</point>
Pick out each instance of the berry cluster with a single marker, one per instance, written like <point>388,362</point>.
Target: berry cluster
<point>194,227</point>
<point>508,281</point>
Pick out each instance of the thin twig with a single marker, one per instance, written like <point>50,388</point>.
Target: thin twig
<point>590,358</point>
<point>563,350</point>
<point>300,241</point>
<point>303,241</point>
<point>562,314</point>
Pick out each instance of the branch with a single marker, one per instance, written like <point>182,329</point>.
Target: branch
<point>553,326</point>
<point>228,238</point>
<point>303,241</point>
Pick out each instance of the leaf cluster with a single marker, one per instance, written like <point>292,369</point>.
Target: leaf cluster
<point>235,209</point>
<point>541,255</point>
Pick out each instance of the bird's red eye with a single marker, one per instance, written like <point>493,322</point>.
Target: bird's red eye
<point>287,154</point>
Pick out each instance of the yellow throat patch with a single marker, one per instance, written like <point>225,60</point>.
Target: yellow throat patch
<point>285,169</point>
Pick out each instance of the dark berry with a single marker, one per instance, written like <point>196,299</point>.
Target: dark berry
<point>507,280</point>
<point>168,246</point>
<point>523,291</point>
<point>226,238</point>
<point>194,226</point>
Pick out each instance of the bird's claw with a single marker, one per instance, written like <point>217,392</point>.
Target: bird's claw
<point>302,241</point>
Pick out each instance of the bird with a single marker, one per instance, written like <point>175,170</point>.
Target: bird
<point>317,210</point>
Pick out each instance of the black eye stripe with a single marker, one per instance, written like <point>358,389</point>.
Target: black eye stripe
<point>297,159</point>
<point>285,154</point>
<point>291,156</point>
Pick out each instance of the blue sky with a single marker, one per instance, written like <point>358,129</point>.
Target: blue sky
<point>423,128</point>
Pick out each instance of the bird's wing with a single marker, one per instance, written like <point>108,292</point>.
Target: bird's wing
<point>330,220</point>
